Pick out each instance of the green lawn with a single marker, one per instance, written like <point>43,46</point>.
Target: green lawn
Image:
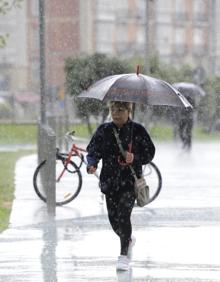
<point>18,134</point>
<point>165,133</point>
<point>8,161</point>
<point>200,135</point>
<point>11,134</point>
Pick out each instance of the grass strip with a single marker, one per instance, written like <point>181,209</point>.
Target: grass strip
<point>7,180</point>
<point>18,134</point>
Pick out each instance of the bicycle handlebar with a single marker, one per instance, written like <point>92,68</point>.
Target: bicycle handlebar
<point>70,134</point>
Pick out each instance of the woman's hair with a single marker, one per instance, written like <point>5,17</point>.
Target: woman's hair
<point>126,105</point>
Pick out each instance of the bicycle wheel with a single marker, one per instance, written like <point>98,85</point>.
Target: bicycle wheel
<point>67,188</point>
<point>153,178</point>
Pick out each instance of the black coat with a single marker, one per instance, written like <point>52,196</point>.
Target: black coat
<point>103,145</point>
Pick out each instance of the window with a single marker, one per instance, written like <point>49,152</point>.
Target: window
<point>35,8</point>
<point>141,35</point>
<point>180,10</point>
<point>164,39</point>
<point>105,10</point>
<point>35,39</point>
<point>35,70</point>
<point>199,9</point>
<point>164,10</point>
<point>104,37</point>
<point>199,44</point>
<point>180,41</point>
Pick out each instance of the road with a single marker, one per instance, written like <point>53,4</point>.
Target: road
<point>177,235</point>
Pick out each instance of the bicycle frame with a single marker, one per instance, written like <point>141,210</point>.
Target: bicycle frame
<point>74,150</point>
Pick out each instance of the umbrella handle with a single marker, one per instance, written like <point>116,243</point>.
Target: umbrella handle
<point>138,70</point>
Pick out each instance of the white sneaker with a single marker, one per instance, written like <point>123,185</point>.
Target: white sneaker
<point>131,245</point>
<point>123,263</point>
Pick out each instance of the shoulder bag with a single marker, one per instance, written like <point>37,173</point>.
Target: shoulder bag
<point>140,185</point>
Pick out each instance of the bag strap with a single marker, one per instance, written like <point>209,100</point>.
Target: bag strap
<point>130,144</point>
<point>123,151</point>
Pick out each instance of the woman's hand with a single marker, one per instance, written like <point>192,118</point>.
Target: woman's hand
<point>91,169</point>
<point>129,157</point>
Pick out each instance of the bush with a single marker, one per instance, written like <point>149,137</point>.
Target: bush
<point>81,72</point>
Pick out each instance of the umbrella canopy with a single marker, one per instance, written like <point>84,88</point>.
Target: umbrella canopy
<point>189,89</point>
<point>135,88</point>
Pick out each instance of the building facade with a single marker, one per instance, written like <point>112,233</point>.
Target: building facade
<point>177,31</point>
<point>186,32</point>
<point>14,56</point>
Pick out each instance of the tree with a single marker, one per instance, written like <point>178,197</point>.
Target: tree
<point>81,72</point>
<point>5,7</point>
<point>209,110</point>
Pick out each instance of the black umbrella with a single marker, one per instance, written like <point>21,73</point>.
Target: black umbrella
<point>191,91</point>
<point>135,88</point>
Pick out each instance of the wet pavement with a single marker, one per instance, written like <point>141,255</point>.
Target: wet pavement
<point>177,235</point>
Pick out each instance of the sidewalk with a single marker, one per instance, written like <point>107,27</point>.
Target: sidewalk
<point>177,235</point>
<point>28,247</point>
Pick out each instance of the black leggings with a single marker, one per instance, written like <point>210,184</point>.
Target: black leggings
<point>119,206</point>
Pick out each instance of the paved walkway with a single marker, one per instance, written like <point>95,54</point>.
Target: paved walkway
<point>177,235</point>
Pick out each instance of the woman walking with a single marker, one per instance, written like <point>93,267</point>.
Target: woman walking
<point>117,182</point>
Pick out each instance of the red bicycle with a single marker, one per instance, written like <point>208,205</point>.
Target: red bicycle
<point>69,177</point>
